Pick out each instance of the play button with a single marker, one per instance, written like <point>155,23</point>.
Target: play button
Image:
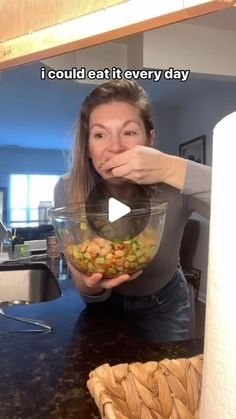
<point>116,209</point>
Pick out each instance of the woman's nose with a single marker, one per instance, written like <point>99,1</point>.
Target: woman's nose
<point>115,144</point>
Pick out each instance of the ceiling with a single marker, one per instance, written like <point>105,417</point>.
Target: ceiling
<point>42,114</point>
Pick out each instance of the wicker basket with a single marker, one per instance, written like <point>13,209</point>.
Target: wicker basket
<point>153,390</point>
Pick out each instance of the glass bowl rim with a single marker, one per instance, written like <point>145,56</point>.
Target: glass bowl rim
<point>71,211</point>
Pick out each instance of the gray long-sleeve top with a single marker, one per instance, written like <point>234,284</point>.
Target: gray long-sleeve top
<point>195,196</point>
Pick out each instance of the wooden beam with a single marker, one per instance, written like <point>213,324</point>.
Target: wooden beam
<point>90,30</point>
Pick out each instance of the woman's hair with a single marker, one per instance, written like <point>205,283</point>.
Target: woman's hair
<point>83,175</point>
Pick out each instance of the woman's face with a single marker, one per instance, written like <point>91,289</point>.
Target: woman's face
<point>114,128</point>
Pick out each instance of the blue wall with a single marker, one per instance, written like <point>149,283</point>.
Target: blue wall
<point>19,160</point>
<point>196,116</point>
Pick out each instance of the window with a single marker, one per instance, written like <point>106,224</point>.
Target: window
<point>26,191</point>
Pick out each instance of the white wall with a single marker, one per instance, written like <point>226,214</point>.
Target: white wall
<point>195,117</point>
<point>108,55</point>
<point>198,48</point>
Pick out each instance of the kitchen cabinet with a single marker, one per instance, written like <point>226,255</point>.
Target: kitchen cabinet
<point>29,34</point>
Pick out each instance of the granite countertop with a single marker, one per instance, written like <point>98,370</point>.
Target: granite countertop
<point>43,375</point>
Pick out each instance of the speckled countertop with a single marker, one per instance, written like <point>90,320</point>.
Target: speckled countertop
<point>44,375</point>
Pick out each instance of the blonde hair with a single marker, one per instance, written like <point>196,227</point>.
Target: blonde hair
<point>83,175</point>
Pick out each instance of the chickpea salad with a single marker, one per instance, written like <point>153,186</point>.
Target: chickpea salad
<point>112,258</point>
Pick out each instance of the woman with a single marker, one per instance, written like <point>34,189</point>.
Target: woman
<point>115,138</point>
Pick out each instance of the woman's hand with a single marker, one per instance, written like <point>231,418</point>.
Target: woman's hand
<point>146,165</point>
<point>94,284</point>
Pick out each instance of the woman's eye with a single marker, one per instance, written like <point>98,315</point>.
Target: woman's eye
<point>130,132</point>
<point>98,135</point>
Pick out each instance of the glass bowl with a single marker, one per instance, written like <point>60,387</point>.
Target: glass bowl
<point>122,247</point>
